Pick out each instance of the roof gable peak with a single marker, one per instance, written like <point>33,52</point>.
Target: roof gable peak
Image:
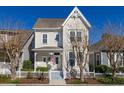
<point>77,12</point>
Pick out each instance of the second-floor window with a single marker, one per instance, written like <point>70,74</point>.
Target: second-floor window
<point>75,35</point>
<point>79,36</point>
<point>44,38</point>
<point>72,36</point>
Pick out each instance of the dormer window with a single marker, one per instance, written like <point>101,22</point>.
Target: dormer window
<point>44,38</point>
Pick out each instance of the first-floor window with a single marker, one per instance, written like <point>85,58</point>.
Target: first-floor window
<point>98,59</point>
<point>71,59</point>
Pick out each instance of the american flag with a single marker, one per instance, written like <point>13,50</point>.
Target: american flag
<point>53,59</point>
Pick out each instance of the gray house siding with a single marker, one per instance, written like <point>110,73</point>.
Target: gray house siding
<point>26,55</point>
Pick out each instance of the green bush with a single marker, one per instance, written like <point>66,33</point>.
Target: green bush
<point>121,69</point>
<point>111,80</point>
<point>27,65</point>
<point>5,76</point>
<point>16,81</point>
<point>103,69</point>
<point>42,69</point>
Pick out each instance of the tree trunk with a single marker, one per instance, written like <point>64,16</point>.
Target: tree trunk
<point>81,75</point>
<point>114,73</point>
<point>13,73</point>
<point>13,69</point>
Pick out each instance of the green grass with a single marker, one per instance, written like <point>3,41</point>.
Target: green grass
<point>110,80</point>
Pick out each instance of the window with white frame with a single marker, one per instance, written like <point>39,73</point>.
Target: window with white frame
<point>58,37</point>
<point>71,59</point>
<point>79,38</point>
<point>44,38</point>
<point>72,36</point>
<point>98,61</point>
<point>75,35</point>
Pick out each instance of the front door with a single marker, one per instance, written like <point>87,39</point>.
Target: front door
<point>57,65</point>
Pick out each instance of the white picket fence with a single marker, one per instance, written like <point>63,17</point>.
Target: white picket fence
<point>93,74</point>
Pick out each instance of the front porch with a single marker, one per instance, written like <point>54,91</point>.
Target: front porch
<point>50,57</point>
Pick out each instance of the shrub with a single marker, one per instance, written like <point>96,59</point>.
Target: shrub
<point>16,81</point>
<point>5,76</point>
<point>42,69</point>
<point>121,69</point>
<point>111,80</point>
<point>27,65</point>
<point>103,69</point>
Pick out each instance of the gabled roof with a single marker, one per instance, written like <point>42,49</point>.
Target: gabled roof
<point>42,23</point>
<point>99,46</point>
<point>26,35</point>
<point>48,23</point>
<point>82,16</point>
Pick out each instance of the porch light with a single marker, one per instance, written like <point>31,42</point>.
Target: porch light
<point>51,53</point>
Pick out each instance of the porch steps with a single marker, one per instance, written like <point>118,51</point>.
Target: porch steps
<point>56,75</point>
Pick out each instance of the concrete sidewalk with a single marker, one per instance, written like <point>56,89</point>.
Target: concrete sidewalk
<point>57,82</point>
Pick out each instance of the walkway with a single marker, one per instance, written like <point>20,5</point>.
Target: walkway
<point>57,78</point>
<point>57,82</point>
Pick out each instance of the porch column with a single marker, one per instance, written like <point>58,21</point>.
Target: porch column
<point>64,65</point>
<point>35,60</point>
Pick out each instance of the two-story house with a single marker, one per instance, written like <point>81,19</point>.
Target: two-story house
<point>52,40</point>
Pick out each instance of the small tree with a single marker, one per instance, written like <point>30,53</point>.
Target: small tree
<point>80,49</point>
<point>10,39</point>
<point>113,42</point>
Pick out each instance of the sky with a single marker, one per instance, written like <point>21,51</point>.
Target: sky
<point>97,16</point>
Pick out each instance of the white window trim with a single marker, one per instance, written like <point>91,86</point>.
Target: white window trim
<point>74,59</point>
<point>75,31</point>
<point>97,58</point>
<point>45,38</point>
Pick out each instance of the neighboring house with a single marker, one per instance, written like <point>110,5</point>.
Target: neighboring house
<point>52,41</point>
<point>98,55</point>
<point>26,45</point>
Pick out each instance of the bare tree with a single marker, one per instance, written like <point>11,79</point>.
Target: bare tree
<point>80,48</point>
<point>113,41</point>
<point>10,39</point>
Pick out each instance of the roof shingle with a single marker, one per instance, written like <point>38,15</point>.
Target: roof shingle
<point>49,23</point>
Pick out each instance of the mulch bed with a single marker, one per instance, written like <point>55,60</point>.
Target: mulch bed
<point>33,81</point>
<point>25,81</point>
<point>78,81</point>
